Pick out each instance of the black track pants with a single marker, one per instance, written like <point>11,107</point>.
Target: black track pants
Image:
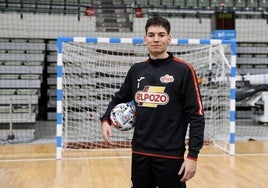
<point>152,172</point>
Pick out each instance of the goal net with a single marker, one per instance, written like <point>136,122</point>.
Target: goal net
<point>90,71</point>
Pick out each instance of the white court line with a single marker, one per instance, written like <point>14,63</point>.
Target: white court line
<point>125,157</point>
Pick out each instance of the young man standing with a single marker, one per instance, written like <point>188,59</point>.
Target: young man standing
<point>158,144</point>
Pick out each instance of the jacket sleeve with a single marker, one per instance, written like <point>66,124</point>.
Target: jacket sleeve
<point>121,96</point>
<point>193,109</point>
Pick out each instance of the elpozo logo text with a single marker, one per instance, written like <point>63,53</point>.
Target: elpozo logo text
<point>152,96</point>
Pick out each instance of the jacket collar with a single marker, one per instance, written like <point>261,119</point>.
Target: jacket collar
<point>160,61</point>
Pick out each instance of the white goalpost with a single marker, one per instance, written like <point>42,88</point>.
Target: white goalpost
<point>90,70</point>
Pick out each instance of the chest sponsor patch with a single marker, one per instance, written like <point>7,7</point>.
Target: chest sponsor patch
<point>167,79</point>
<point>151,96</point>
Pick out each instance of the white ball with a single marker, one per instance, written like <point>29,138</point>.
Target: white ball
<point>123,116</point>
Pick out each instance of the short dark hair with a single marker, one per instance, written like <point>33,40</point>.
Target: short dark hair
<point>160,21</point>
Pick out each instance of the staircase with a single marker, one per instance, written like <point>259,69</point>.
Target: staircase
<point>112,16</point>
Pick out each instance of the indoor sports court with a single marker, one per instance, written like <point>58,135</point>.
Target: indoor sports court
<point>62,60</point>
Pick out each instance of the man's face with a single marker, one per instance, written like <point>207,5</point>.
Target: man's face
<point>157,39</point>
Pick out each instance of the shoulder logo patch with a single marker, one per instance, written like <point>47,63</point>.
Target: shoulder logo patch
<point>167,79</point>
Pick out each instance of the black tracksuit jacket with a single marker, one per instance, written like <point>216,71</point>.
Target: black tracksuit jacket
<point>167,99</point>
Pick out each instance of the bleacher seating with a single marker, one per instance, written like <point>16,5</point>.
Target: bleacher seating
<point>204,3</point>
<point>179,3</point>
<point>240,4</point>
<point>191,3</point>
<point>21,69</point>
<point>142,3</point>
<point>23,108</point>
<point>228,3</point>
<point>155,3</point>
<point>168,3</point>
<point>112,16</point>
<point>71,6</point>
<point>51,79</point>
<point>252,58</point>
<point>45,6</point>
<point>252,3</point>
<point>263,4</point>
